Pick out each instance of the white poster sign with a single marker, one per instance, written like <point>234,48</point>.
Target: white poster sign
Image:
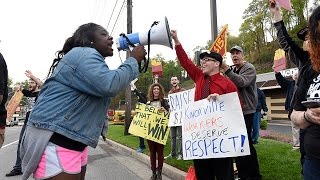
<point>214,129</point>
<point>178,103</point>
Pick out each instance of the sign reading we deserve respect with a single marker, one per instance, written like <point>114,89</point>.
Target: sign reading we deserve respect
<point>178,103</point>
<point>150,123</point>
<point>214,129</point>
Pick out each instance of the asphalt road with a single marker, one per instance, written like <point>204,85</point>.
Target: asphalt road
<point>104,162</point>
<point>280,127</point>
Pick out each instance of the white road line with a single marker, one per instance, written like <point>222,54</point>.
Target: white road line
<point>10,144</point>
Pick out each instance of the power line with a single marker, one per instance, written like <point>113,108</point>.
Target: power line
<point>95,9</point>
<point>118,16</point>
<point>103,9</point>
<point>112,13</point>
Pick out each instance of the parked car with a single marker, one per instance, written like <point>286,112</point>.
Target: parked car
<point>14,121</point>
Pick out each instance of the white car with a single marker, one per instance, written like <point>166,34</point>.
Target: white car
<point>14,121</point>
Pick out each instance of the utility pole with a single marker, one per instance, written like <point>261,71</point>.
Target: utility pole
<point>128,89</point>
<point>213,12</point>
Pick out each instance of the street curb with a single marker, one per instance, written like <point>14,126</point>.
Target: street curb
<point>279,124</point>
<point>167,170</point>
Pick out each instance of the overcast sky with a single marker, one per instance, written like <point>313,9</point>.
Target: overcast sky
<point>32,31</point>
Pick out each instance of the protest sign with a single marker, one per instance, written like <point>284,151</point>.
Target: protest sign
<point>220,44</point>
<point>13,104</point>
<point>214,129</point>
<point>150,123</point>
<point>286,4</point>
<point>178,102</point>
<point>280,61</point>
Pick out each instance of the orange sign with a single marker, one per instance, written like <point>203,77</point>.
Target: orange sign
<point>13,104</point>
<point>220,44</point>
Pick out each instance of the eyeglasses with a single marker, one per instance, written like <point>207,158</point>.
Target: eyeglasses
<point>206,59</point>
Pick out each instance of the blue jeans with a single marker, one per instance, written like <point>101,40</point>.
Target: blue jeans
<point>311,169</point>
<point>176,140</point>
<point>256,126</point>
<point>141,143</point>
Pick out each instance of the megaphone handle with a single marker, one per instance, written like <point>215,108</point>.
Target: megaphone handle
<point>146,61</point>
<point>145,66</point>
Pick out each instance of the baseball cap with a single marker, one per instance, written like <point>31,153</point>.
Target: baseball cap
<point>236,47</point>
<point>213,55</point>
<point>302,33</point>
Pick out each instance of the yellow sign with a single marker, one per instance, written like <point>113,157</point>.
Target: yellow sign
<point>279,53</point>
<point>220,44</point>
<point>150,123</point>
<point>13,104</point>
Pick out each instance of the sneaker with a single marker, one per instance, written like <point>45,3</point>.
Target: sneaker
<point>14,172</point>
<point>295,148</point>
<point>169,156</point>
<point>140,150</point>
<point>179,157</point>
<point>104,138</point>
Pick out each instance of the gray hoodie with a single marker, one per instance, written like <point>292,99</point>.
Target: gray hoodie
<point>246,84</point>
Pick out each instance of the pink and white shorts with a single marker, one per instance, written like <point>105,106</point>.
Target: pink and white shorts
<point>56,159</point>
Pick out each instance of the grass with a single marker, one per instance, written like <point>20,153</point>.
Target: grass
<point>276,159</point>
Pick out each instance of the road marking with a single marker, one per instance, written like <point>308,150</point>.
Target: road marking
<point>10,144</point>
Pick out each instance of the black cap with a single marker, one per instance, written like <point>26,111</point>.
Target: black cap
<point>237,48</point>
<point>213,55</point>
<point>302,33</point>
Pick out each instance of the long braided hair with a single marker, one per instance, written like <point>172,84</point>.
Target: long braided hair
<point>314,32</point>
<point>82,37</point>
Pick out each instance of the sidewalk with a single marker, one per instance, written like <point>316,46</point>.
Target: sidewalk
<point>170,171</point>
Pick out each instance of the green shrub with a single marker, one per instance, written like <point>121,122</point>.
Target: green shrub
<point>264,124</point>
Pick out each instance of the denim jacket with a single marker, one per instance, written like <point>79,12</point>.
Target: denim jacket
<point>73,101</point>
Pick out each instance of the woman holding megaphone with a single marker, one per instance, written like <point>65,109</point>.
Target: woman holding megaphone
<point>70,111</point>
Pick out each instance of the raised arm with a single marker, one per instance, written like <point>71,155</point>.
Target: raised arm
<point>183,58</point>
<point>296,54</point>
<point>29,74</point>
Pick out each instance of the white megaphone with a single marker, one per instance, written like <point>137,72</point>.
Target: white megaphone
<point>159,34</point>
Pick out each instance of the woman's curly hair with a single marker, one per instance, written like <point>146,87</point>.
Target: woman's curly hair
<point>314,34</point>
<point>161,93</point>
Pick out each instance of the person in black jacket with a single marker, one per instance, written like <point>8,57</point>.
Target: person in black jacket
<point>3,97</point>
<point>32,94</point>
<point>306,104</point>
<point>298,55</point>
<point>289,86</point>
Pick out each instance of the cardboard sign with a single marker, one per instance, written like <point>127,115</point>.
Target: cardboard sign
<point>13,104</point>
<point>286,4</point>
<point>178,102</point>
<point>214,129</point>
<point>150,123</point>
<point>280,61</point>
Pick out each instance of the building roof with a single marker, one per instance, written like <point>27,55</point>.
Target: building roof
<point>268,80</point>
